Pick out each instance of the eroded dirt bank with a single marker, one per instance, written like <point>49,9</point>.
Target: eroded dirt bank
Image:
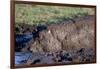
<point>70,42</point>
<point>66,36</point>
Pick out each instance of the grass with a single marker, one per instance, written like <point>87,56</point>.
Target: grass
<point>41,14</point>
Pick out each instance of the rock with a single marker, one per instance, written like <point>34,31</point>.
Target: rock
<point>90,55</point>
<point>69,59</point>
<point>36,61</point>
<point>47,60</point>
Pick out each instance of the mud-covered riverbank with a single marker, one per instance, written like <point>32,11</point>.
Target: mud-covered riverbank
<point>79,56</point>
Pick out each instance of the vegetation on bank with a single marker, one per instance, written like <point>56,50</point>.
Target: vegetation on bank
<point>41,14</point>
